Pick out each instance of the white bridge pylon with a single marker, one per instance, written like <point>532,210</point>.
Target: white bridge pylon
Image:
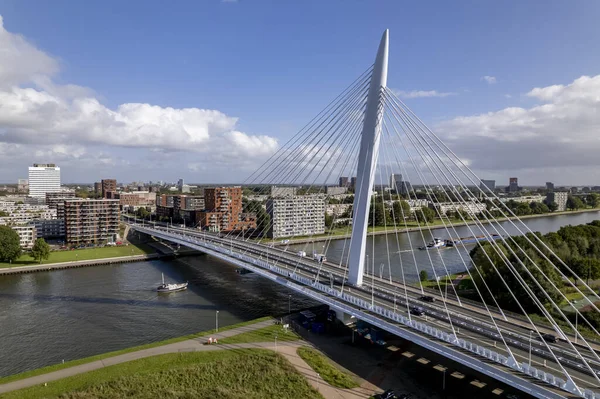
<point>367,161</point>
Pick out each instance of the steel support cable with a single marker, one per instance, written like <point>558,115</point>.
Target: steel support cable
<point>351,106</point>
<point>493,195</point>
<point>528,290</point>
<point>541,307</point>
<point>356,116</point>
<point>541,271</point>
<point>386,161</point>
<point>355,127</point>
<point>502,336</point>
<point>344,104</point>
<point>464,247</point>
<point>320,131</point>
<point>356,106</point>
<point>366,75</point>
<point>423,237</point>
<point>429,194</point>
<point>466,267</point>
<point>404,217</point>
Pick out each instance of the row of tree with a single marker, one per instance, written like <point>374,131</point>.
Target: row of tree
<point>572,248</point>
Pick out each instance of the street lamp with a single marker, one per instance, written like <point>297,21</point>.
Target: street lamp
<point>530,332</point>
<point>289,306</point>
<point>576,325</point>
<point>217,321</point>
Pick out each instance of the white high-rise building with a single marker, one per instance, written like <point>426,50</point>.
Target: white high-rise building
<point>43,178</point>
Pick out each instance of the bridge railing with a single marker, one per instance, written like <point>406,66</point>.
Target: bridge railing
<point>386,313</point>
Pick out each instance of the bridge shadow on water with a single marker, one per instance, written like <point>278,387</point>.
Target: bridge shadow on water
<point>106,301</point>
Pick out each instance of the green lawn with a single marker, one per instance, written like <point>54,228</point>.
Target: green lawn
<point>84,254</point>
<point>101,356</point>
<point>326,369</point>
<point>266,334</point>
<point>246,373</point>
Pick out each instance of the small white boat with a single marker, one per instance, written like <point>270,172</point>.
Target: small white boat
<point>171,287</point>
<point>436,243</point>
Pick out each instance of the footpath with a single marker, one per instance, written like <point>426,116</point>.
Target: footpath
<point>287,349</point>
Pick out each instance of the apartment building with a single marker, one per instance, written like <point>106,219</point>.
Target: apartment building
<point>223,210</point>
<point>559,197</point>
<point>299,215</point>
<point>108,185</point>
<point>91,221</point>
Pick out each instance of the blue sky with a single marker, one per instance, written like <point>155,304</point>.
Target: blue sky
<point>274,64</point>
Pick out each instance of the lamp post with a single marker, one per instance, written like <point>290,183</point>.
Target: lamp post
<point>444,380</point>
<point>576,313</point>
<point>381,271</point>
<point>217,321</point>
<point>289,306</point>
<point>530,332</point>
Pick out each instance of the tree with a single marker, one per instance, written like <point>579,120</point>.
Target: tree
<point>377,214</point>
<point>400,211</point>
<point>593,200</point>
<point>553,206</point>
<point>328,220</point>
<point>142,212</point>
<point>4,214</point>
<point>423,275</point>
<point>40,250</point>
<point>425,215</point>
<point>574,203</point>
<point>10,246</point>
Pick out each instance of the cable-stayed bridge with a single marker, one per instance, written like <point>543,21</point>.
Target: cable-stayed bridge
<point>370,133</point>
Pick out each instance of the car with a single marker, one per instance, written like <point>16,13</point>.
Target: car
<point>417,311</point>
<point>427,298</point>
<point>549,338</point>
<point>389,394</point>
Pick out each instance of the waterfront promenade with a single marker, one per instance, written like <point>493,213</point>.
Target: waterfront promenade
<point>287,349</point>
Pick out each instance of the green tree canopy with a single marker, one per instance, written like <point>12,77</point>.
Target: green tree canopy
<point>574,203</point>
<point>400,211</point>
<point>40,250</point>
<point>10,247</point>
<point>425,215</point>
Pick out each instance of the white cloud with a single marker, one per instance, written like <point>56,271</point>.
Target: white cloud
<point>36,112</point>
<point>489,79</point>
<point>422,93</point>
<point>508,96</point>
<point>561,133</point>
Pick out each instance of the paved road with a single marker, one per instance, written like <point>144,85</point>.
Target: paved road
<point>287,349</point>
<point>464,315</point>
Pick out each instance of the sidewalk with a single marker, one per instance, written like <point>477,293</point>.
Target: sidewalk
<point>286,349</point>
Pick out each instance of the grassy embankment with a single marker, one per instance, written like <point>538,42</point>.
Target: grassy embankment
<point>243,373</point>
<point>83,254</point>
<point>101,356</point>
<point>326,369</point>
<point>266,334</point>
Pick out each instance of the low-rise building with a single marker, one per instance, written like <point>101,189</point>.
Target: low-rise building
<point>296,216</point>
<point>49,228</point>
<point>277,191</point>
<point>471,208</point>
<point>525,198</point>
<point>27,235</point>
<point>336,190</point>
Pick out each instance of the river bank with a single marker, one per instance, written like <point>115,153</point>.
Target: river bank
<point>380,230</point>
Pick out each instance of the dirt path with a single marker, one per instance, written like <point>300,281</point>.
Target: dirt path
<point>286,349</point>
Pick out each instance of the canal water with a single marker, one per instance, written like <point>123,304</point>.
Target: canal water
<point>391,254</point>
<point>48,317</point>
